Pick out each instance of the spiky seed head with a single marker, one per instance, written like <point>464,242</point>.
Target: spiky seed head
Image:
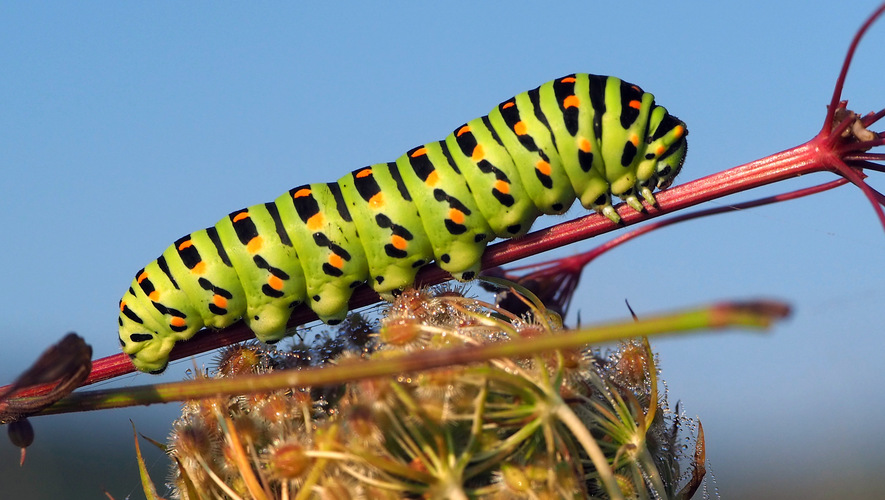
<point>400,332</point>
<point>192,438</point>
<point>413,303</point>
<point>240,359</point>
<point>275,407</point>
<point>632,367</point>
<point>289,461</point>
<point>362,423</point>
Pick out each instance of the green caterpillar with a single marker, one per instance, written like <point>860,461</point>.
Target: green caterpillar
<point>581,136</point>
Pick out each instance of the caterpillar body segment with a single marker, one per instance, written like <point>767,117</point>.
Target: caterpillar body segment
<point>328,246</point>
<point>383,211</point>
<point>584,137</point>
<point>496,184</point>
<point>261,254</point>
<point>449,214</point>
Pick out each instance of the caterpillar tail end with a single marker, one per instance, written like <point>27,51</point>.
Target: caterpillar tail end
<point>153,360</point>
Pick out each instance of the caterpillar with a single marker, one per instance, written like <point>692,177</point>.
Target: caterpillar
<point>582,136</point>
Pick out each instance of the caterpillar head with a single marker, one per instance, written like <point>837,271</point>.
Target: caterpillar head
<point>664,154</point>
<point>667,134</point>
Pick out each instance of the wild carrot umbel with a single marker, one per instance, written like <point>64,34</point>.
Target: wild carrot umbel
<point>572,423</point>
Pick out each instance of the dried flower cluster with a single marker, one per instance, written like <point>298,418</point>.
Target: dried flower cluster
<point>572,424</point>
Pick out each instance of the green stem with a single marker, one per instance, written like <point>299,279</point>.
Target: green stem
<point>582,434</point>
<point>756,315</point>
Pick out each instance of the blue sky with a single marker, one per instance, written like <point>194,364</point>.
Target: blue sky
<point>126,126</point>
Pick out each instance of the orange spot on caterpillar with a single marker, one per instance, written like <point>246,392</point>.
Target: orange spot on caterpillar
<point>584,145</point>
<point>336,261</point>
<point>635,104</point>
<point>240,216</point>
<point>176,321</point>
<point>200,268</point>
<point>634,139</point>
<point>185,244</point>
<point>502,187</point>
<point>301,193</point>
<point>543,167</point>
<point>398,242</point>
<point>660,150</point>
<point>419,152</point>
<point>141,277</point>
<point>255,244</point>
<point>456,216</point>
<point>219,301</point>
<point>571,101</point>
<point>155,296</point>
<point>275,282</point>
<point>363,173</point>
<point>432,179</point>
<point>462,130</point>
<point>315,222</point>
<point>568,79</point>
<point>377,201</point>
<point>679,130</point>
<point>478,153</point>
<point>521,128</point>
<point>508,104</point>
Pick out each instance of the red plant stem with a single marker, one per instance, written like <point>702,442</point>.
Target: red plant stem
<point>807,158</point>
<point>784,165</point>
<point>577,262</point>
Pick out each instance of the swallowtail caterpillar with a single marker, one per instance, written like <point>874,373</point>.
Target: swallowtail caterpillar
<point>582,136</point>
